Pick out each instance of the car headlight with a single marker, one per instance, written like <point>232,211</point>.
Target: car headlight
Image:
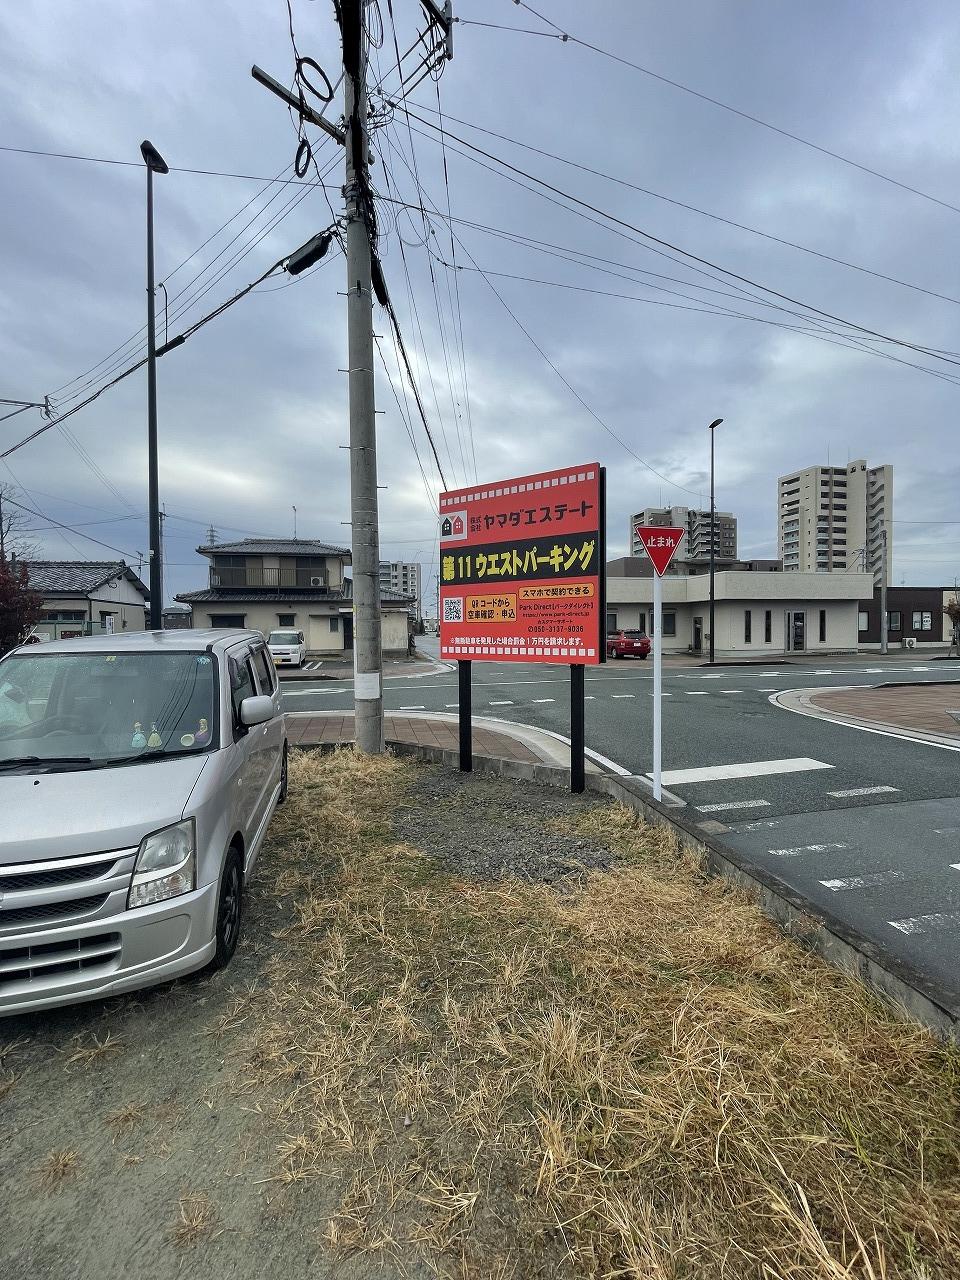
<point>166,865</point>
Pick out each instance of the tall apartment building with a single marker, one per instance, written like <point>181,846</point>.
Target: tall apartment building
<point>833,519</point>
<point>695,543</point>
<point>398,575</point>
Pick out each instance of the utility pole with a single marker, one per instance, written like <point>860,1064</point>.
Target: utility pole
<point>367,654</point>
<point>713,550</point>
<point>883,590</point>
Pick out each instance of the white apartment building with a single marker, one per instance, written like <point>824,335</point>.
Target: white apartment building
<point>695,543</point>
<point>835,519</point>
<point>404,578</point>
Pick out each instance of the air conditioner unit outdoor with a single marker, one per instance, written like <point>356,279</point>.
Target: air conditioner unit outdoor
<point>909,642</point>
<point>316,582</point>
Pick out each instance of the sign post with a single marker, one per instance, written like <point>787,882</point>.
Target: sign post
<point>660,544</point>
<point>522,566</point>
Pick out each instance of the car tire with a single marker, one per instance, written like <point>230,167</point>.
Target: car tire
<point>617,653</point>
<point>643,657</point>
<point>284,777</point>
<point>229,910</point>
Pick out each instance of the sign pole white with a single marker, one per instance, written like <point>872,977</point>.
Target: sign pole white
<point>657,633</point>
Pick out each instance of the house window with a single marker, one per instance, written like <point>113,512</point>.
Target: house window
<point>823,625</point>
<point>894,620</point>
<point>767,626</point>
<point>670,624</point>
<point>922,622</point>
<point>228,619</point>
<point>334,623</point>
<point>747,626</point>
<point>863,620</point>
<point>611,623</point>
<point>64,615</point>
<point>286,619</point>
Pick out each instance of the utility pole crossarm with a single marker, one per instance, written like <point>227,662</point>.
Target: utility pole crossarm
<point>302,109</point>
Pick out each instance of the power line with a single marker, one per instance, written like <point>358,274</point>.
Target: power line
<point>138,164</point>
<point>59,525</point>
<point>565,37</point>
<point>691,208</point>
<point>541,182</point>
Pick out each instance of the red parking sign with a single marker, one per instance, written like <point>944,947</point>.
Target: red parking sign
<point>521,569</point>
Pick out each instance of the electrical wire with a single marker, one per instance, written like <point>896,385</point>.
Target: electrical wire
<point>59,525</point>
<point>685,253</point>
<point>691,208</point>
<point>566,37</point>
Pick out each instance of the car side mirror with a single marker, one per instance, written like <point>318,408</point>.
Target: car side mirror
<point>256,710</point>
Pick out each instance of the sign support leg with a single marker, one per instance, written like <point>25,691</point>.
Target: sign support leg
<point>578,780</point>
<point>657,681</point>
<point>464,711</point>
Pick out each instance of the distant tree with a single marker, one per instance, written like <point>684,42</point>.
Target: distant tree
<point>14,521</point>
<point>952,610</point>
<point>20,607</point>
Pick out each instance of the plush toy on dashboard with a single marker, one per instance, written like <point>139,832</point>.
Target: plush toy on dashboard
<point>138,741</point>
<point>154,740</point>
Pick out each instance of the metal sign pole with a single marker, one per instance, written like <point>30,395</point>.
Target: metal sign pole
<point>657,682</point>
<point>578,780</point>
<point>464,712</point>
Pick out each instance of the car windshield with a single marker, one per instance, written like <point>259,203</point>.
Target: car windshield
<point>284,637</point>
<point>92,709</point>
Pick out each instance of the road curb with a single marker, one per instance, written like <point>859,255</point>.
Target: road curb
<point>799,701</point>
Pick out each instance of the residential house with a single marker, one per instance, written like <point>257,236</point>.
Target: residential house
<point>267,583</point>
<point>757,613</point>
<point>87,597</point>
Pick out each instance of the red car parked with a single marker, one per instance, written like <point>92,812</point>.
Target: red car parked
<point>633,644</point>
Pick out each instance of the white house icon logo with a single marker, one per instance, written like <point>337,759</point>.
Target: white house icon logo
<point>453,527</point>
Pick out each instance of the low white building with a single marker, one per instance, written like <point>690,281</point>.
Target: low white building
<point>756,613</point>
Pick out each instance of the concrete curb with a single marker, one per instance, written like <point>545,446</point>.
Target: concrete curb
<point>800,702</point>
<point>910,993</point>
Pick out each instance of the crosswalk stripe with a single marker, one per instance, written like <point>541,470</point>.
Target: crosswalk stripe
<point>732,804</point>
<point>751,769</point>
<point>864,882</point>
<point>860,791</point>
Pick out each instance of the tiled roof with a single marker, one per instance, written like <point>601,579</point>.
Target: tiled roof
<point>269,595</point>
<point>77,577</point>
<point>275,547</point>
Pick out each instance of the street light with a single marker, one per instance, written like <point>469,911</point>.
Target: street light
<point>155,163</point>
<point>713,554</point>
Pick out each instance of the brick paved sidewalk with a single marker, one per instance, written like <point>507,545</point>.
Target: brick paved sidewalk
<point>424,731</point>
<point>922,708</point>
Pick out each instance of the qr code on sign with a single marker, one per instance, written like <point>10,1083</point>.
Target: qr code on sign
<point>453,609</point>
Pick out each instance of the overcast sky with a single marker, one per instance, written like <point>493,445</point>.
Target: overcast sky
<point>253,408</point>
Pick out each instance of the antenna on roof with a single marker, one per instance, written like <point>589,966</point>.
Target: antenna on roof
<point>294,524</point>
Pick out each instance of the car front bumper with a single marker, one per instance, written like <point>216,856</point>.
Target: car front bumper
<point>107,955</point>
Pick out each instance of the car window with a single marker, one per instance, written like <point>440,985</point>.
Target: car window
<point>634,635</point>
<point>106,707</point>
<point>241,685</point>
<point>263,664</point>
<point>285,637</point>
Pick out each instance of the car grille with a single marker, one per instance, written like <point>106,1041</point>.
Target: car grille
<point>60,875</point>
<point>49,959</point>
<point>52,910</point>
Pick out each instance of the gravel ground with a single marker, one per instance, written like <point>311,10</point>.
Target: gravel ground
<point>489,828</point>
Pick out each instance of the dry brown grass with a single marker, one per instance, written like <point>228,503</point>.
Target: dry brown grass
<point>196,1220</point>
<point>639,1077</point>
<point>126,1119</point>
<point>58,1166</point>
<point>95,1049</point>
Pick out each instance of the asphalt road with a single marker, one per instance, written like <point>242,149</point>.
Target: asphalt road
<point>866,824</point>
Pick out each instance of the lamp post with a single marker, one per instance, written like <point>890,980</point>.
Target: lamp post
<point>155,163</point>
<point>713,553</point>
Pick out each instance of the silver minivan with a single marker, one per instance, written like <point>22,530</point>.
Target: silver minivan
<point>138,776</point>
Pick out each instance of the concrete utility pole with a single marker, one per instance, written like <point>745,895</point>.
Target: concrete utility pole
<point>713,551</point>
<point>367,654</point>
<point>883,591</point>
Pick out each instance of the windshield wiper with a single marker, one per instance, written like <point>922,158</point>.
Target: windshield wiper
<point>156,753</point>
<point>15,762</point>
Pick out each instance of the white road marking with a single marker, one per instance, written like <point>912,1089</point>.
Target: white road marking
<point>919,668</point>
<point>732,804</point>
<point>823,673</point>
<point>766,691</point>
<point>712,677</point>
<point>871,671</point>
<point>696,693</point>
<point>806,848</point>
<point>920,924</point>
<point>543,699</point>
<point>860,791</point>
<point>955,866</point>
<point>455,706</point>
<point>778,674</point>
<point>759,826</point>
<point>499,704</point>
<point>415,708</point>
<point>623,695</point>
<point>588,697</point>
<point>864,882</point>
<point>751,769</point>
<point>731,691</point>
